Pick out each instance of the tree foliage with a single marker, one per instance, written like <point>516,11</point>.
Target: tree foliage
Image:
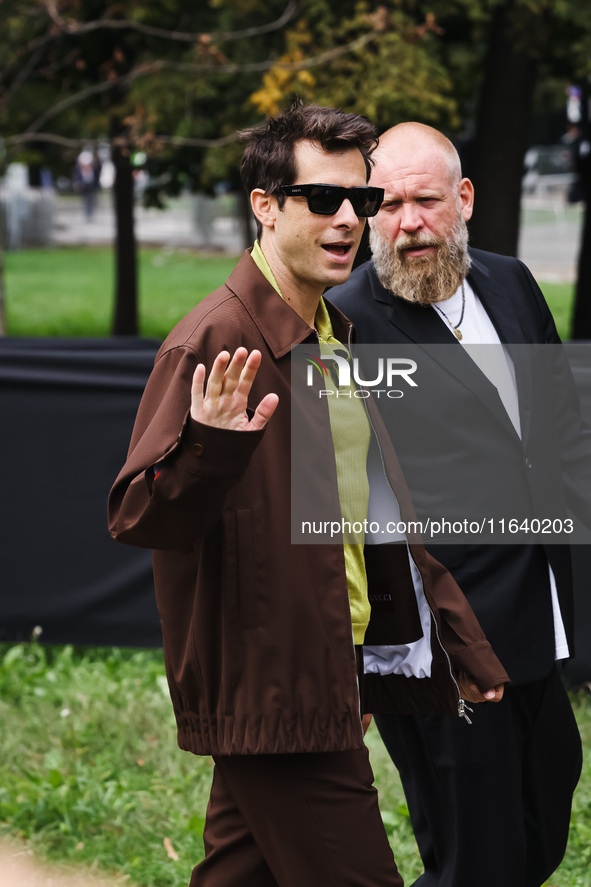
<point>389,72</point>
<point>148,76</point>
<point>178,80</point>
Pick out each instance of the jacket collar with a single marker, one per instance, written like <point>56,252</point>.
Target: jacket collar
<point>280,326</point>
<point>502,309</point>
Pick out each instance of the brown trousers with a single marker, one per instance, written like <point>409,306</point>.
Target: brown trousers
<point>295,820</point>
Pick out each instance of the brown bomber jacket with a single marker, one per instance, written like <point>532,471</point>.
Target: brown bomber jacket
<point>257,631</point>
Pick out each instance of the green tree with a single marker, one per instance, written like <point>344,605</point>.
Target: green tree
<point>470,67</point>
<point>526,43</point>
<point>379,61</point>
<point>88,71</point>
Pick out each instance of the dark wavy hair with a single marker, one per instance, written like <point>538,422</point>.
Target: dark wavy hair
<point>268,161</point>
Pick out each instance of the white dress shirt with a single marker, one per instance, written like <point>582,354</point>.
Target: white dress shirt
<point>477,329</point>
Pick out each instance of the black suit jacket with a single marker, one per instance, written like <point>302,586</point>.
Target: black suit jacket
<point>507,585</point>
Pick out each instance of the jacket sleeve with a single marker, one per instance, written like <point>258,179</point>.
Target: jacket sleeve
<point>197,464</point>
<point>461,634</point>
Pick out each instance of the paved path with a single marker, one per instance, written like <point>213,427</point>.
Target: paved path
<point>549,241</point>
<point>175,226</point>
<point>19,868</point>
<point>550,237</point>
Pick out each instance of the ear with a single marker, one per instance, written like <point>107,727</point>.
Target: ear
<point>264,207</point>
<point>466,196</point>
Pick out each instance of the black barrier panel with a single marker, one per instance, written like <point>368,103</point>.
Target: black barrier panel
<point>67,408</point>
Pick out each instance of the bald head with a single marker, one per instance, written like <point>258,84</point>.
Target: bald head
<point>419,237</point>
<point>416,139</point>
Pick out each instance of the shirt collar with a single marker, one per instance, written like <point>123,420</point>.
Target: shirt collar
<point>322,318</point>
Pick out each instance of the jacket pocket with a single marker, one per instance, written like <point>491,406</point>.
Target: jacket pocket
<point>240,565</point>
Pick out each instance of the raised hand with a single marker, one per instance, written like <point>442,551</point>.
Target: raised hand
<point>223,402</point>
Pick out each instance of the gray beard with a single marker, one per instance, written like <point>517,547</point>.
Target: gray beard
<point>425,279</point>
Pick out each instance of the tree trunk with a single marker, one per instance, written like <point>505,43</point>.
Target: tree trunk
<point>2,296</point>
<point>581,325</point>
<point>502,137</point>
<point>125,320</point>
<point>2,290</point>
<point>245,215</point>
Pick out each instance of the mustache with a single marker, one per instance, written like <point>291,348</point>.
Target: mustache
<point>416,241</point>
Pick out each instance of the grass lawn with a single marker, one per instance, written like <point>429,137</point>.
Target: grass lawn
<point>560,298</point>
<point>69,291</point>
<point>90,773</point>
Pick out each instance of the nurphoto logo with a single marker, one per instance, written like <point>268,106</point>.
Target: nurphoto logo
<point>388,371</point>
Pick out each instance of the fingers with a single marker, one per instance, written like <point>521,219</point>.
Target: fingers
<point>233,376</point>
<point>204,402</point>
<point>215,383</point>
<point>493,695</point>
<point>197,389</point>
<point>247,366</point>
<point>263,412</point>
<point>471,693</point>
<point>496,694</point>
<point>222,401</point>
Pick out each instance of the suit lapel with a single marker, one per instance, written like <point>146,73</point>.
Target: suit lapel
<point>498,304</point>
<point>421,325</point>
<point>503,312</point>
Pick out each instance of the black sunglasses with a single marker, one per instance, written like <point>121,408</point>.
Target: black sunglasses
<point>324,200</point>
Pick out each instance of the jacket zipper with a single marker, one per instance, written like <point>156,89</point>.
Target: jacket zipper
<point>463,707</point>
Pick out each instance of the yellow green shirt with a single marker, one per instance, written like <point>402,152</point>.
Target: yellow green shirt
<point>350,431</point>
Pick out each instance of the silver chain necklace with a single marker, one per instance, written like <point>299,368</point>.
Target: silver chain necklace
<point>455,328</point>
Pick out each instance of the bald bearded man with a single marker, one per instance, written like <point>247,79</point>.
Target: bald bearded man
<point>489,804</point>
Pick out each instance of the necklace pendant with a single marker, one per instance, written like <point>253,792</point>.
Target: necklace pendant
<point>457,334</point>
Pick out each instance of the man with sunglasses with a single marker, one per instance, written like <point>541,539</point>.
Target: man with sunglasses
<point>262,638</point>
